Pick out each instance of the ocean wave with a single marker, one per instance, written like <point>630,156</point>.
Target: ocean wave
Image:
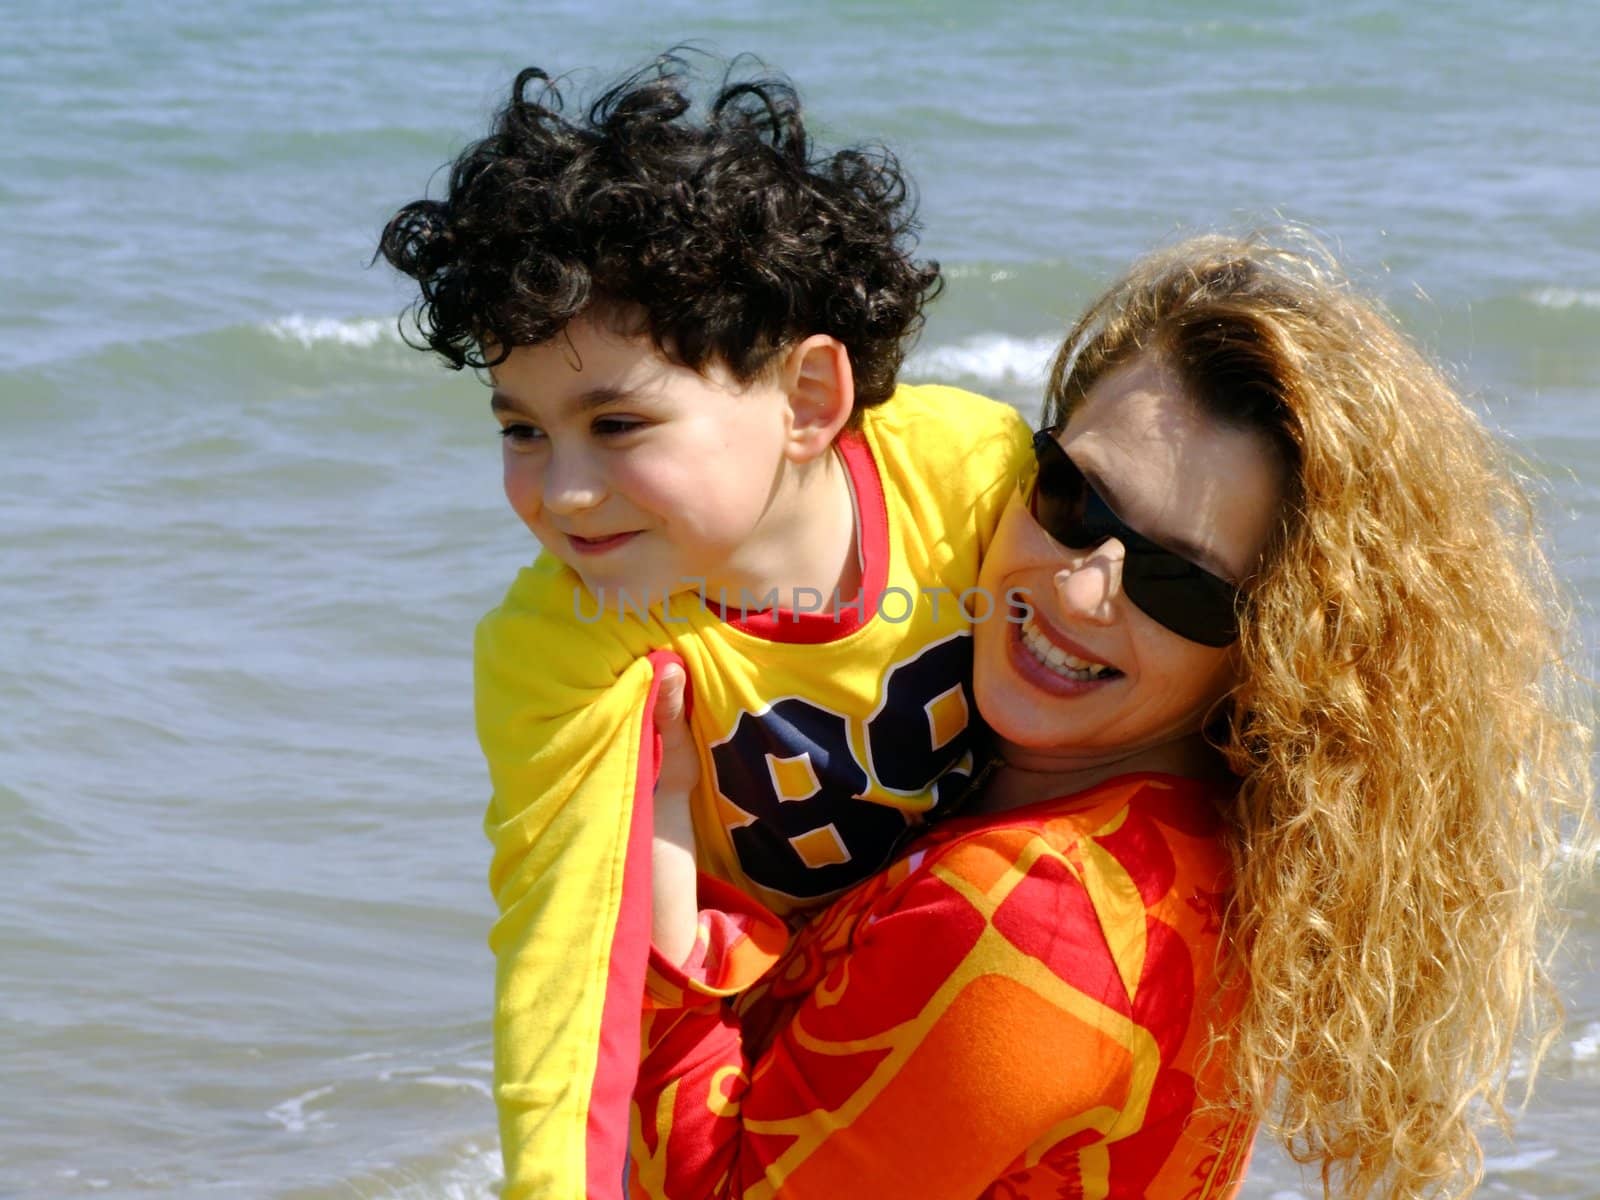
<point>361,332</point>
<point>990,358</point>
<point>475,1176</point>
<point>174,353</point>
<point>1553,297</point>
<point>468,1171</point>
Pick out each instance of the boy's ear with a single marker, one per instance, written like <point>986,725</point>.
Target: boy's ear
<point>821,387</point>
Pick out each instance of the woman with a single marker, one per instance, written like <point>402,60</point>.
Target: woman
<point>1284,738</point>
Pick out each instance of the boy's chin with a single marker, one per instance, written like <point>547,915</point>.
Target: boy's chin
<point>633,596</point>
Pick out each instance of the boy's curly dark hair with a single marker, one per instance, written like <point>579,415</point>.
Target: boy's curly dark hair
<point>723,238</point>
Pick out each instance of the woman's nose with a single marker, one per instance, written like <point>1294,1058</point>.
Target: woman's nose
<point>1088,588</point>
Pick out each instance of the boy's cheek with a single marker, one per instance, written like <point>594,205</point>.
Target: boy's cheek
<point>520,488</point>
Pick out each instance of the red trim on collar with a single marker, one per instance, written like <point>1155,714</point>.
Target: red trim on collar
<point>872,511</point>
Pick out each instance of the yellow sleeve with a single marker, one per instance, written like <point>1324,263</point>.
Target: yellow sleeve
<point>563,715</point>
<point>1003,458</point>
<point>957,454</point>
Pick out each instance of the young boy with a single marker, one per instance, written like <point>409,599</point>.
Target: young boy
<point>693,326</point>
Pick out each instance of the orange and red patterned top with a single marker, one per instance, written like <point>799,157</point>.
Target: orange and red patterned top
<point>1018,1008</point>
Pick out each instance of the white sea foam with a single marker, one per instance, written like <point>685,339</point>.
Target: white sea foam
<point>1524,1161</point>
<point>1587,1047</point>
<point>431,1078</point>
<point>979,271</point>
<point>1566,297</point>
<point>990,358</point>
<point>475,1177</point>
<point>292,1114</point>
<point>1518,1069</point>
<point>452,1081</point>
<point>360,333</point>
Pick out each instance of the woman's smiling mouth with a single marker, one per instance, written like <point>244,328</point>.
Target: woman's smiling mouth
<point>1040,657</point>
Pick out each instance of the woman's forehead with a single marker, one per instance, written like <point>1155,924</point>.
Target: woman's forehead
<point>1172,471</point>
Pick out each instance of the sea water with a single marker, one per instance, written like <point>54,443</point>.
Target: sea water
<point>245,532</point>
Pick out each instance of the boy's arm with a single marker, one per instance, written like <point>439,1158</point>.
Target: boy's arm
<point>563,714</point>
<point>673,871</point>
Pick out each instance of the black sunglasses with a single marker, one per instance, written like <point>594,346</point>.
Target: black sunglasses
<point>1168,588</point>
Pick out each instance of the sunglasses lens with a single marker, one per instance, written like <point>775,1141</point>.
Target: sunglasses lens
<point>1059,493</point>
<point>1167,587</point>
<point>1172,591</point>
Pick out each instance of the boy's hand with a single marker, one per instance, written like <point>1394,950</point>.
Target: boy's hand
<point>680,765</point>
<point>674,877</point>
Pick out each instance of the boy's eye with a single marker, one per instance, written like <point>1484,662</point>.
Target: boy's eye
<point>612,426</point>
<point>521,434</point>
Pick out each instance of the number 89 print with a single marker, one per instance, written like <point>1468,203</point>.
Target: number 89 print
<point>827,798</point>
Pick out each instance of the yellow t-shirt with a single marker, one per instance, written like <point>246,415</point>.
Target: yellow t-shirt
<point>822,737</point>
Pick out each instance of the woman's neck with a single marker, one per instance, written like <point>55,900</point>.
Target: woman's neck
<point>1026,775</point>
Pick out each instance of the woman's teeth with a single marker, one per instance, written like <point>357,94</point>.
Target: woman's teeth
<point>1057,659</point>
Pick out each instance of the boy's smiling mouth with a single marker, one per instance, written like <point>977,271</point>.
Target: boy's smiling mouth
<point>599,545</point>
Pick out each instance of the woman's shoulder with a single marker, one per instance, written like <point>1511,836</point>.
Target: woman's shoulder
<point>1138,842</point>
<point>1179,808</point>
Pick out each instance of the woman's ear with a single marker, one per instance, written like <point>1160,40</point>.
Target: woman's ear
<point>816,376</point>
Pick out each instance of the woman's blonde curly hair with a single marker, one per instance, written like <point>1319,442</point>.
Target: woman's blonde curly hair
<point>1411,733</point>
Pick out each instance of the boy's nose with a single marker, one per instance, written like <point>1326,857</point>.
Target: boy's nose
<point>572,483</point>
<point>1088,589</point>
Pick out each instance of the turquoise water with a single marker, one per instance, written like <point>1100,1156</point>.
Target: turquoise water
<point>246,533</point>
